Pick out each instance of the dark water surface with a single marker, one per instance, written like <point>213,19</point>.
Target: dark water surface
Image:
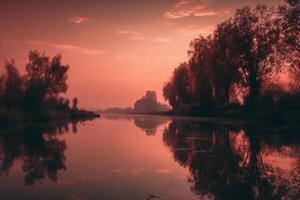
<point>134,157</point>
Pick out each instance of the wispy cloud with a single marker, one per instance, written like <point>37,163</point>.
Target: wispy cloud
<point>70,47</point>
<point>188,8</point>
<point>161,39</point>
<point>37,42</point>
<point>134,35</point>
<point>8,40</point>
<point>196,30</point>
<point>127,57</point>
<point>78,19</point>
<point>83,50</point>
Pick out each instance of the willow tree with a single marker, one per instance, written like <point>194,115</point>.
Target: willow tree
<point>290,29</point>
<point>178,90</point>
<point>201,63</point>
<point>226,69</point>
<point>257,36</point>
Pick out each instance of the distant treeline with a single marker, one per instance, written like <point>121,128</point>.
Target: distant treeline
<point>148,104</point>
<point>36,95</point>
<point>240,63</point>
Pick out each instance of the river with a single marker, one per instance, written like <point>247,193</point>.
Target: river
<point>148,157</point>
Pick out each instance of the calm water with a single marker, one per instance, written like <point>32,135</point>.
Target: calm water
<point>126,157</point>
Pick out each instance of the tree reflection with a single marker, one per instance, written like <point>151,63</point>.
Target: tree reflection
<point>235,164</point>
<point>149,124</point>
<point>38,147</point>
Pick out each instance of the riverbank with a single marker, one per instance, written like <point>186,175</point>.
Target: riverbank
<point>16,117</point>
<point>231,118</point>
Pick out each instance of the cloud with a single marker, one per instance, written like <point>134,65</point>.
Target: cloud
<point>78,19</point>
<point>37,42</point>
<point>127,57</point>
<point>83,50</point>
<point>134,35</point>
<point>8,41</point>
<point>163,40</point>
<point>196,30</point>
<point>188,8</point>
<point>135,172</point>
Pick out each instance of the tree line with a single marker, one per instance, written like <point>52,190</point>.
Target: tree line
<point>39,93</point>
<point>44,80</point>
<point>239,61</point>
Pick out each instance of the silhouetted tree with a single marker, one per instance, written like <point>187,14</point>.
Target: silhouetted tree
<point>290,28</point>
<point>178,90</point>
<point>37,95</point>
<point>239,62</point>
<point>44,78</point>
<point>169,94</point>
<point>201,62</point>
<point>13,88</point>
<point>256,40</point>
<point>149,104</point>
<point>226,67</point>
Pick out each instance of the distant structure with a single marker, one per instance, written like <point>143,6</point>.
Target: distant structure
<point>149,104</point>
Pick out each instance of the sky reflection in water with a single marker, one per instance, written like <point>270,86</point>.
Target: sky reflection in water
<point>132,157</point>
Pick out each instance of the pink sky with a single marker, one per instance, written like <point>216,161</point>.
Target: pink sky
<point>116,49</point>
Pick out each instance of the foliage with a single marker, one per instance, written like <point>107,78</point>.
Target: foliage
<point>149,104</point>
<point>238,60</point>
<point>44,78</point>
<point>38,94</point>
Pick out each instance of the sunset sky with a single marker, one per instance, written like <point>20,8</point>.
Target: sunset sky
<point>116,49</point>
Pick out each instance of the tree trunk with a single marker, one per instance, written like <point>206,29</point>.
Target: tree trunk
<point>227,94</point>
<point>254,93</point>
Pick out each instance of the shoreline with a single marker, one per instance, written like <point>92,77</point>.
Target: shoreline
<point>227,122</point>
<point>12,118</point>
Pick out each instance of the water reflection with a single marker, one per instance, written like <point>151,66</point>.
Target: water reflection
<point>221,162</point>
<point>148,124</point>
<point>38,147</point>
<point>240,164</point>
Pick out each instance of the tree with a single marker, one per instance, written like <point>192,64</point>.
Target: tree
<point>258,35</point>
<point>12,90</point>
<point>182,83</point>
<point>201,61</point>
<point>44,78</point>
<point>290,24</point>
<point>169,94</point>
<point>151,95</point>
<point>149,104</point>
<point>290,28</point>
<point>178,90</point>
<point>226,66</point>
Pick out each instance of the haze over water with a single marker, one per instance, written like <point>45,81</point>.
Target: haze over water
<point>132,157</point>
